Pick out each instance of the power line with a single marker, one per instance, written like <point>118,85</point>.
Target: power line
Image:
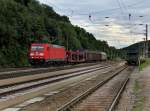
<point>122,11</point>
<point>95,12</point>
<point>122,7</point>
<point>137,3</point>
<point>114,9</point>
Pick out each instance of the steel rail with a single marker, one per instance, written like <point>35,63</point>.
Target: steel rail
<point>74,101</point>
<point>11,91</point>
<point>117,98</point>
<point>27,72</point>
<point>3,85</point>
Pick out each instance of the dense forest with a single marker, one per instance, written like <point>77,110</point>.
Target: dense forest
<point>23,22</point>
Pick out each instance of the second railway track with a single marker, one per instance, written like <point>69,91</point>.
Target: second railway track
<point>102,97</point>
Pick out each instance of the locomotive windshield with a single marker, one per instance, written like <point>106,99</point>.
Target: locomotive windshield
<point>37,48</point>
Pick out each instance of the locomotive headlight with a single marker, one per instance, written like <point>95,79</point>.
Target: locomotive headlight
<point>31,54</point>
<point>41,54</point>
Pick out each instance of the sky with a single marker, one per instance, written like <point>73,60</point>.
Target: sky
<point>119,22</point>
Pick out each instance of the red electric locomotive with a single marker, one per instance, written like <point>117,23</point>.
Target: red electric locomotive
<point>44,53</point>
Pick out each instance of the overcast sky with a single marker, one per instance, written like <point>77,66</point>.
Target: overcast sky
<point>119,29</point>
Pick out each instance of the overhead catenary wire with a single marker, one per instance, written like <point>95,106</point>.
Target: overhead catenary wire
<point>130,21</point>
<point>73,13</point>
<point>122,12</point>
<point>122,6</point>
<point>94,12</point>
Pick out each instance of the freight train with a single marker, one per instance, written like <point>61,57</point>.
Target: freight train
<point>43,53</point>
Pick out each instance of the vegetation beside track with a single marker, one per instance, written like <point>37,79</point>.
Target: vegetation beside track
<point>144,64</point>
<point>139,99</point>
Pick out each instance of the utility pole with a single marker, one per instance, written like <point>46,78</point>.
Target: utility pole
<point>146,44</point>
<point>144,47</point>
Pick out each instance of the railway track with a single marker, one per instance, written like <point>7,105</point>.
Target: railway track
<point>14,88</point>
<point>8,89</point>
<point>4,74</point>
<point>33,78</point>
<point>94,99</point>
<point>29,88</point>
<point>25,87</point>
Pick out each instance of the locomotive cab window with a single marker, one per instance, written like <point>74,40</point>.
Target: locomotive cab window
<point>37,48</point>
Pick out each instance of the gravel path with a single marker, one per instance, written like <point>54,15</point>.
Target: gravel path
<point>144,81</point>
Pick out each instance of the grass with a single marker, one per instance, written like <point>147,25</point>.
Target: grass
<point>136,87</point>
<point>140,100</point>
<point>144,64</point>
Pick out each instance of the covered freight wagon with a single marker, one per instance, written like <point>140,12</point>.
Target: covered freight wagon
<point>95,56</point>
